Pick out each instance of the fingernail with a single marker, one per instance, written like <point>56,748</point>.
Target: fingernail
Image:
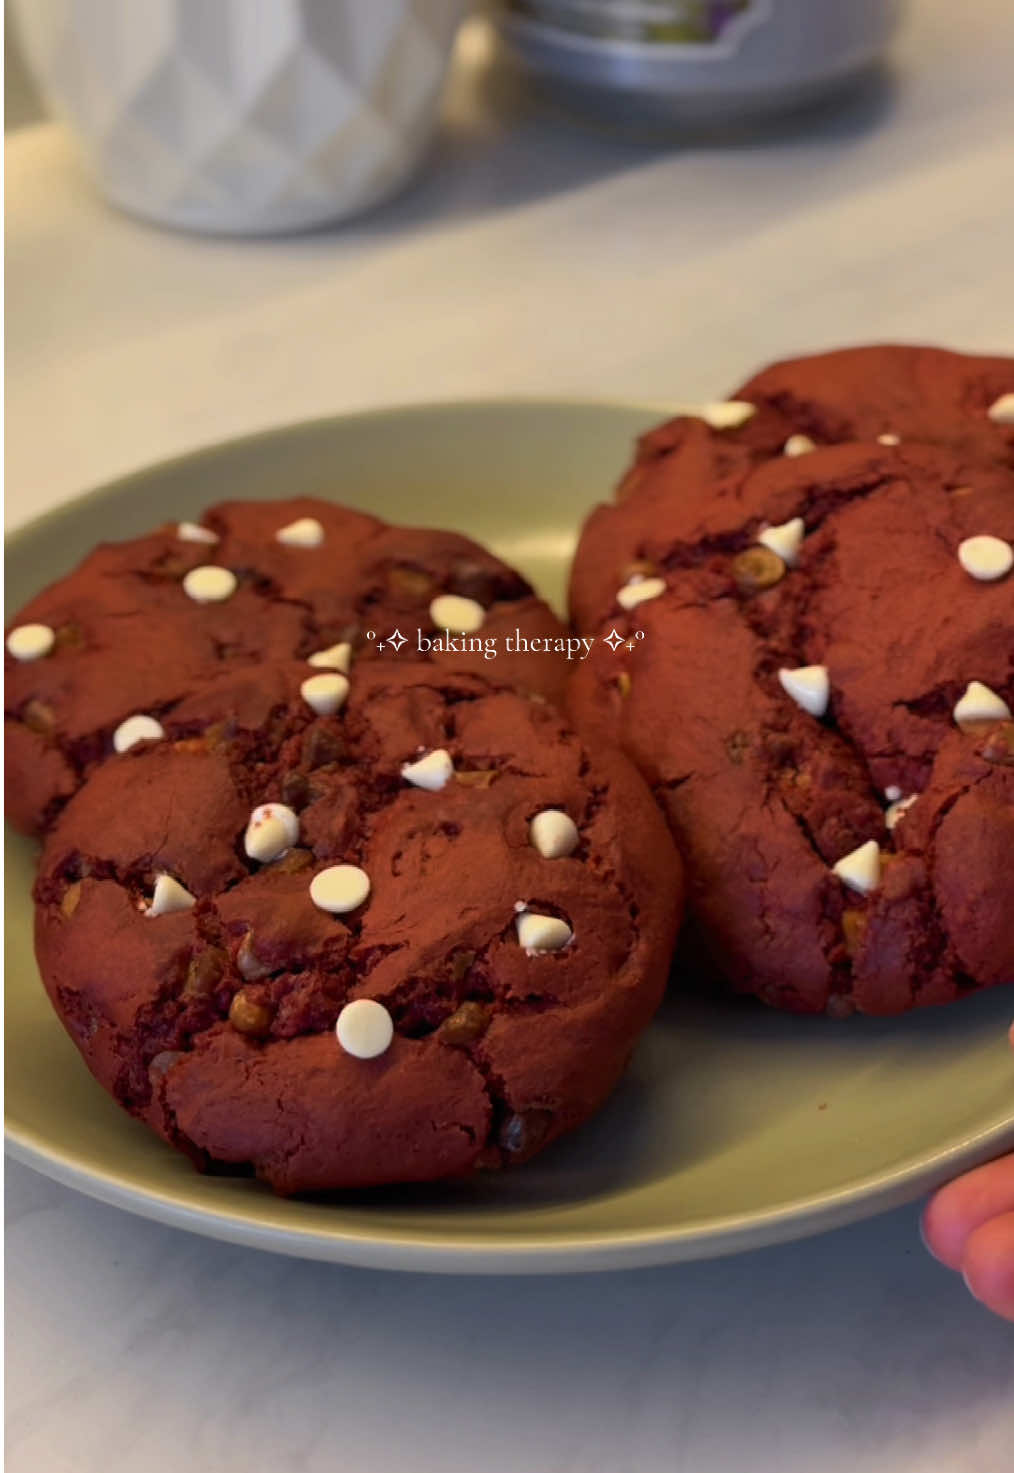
<point>968,1286</point>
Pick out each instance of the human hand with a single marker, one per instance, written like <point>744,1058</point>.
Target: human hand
<point>969,1226</point>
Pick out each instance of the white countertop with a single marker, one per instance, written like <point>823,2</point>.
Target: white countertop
<point>536,256</point>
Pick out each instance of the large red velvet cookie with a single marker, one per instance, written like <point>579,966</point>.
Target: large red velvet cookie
<point>895,394</point>
<point>139,626</point>
<point>411,939</point>
<point>816,634</point>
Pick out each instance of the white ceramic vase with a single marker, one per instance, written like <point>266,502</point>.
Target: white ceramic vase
<point>244,115</point>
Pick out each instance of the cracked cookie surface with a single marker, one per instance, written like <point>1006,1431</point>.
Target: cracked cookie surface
<point>126,638</point>
<point>215,1021</point>
<point>785,709</point>
<point>902,393</point>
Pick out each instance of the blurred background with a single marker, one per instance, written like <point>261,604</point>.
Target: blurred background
<point>22,103</point>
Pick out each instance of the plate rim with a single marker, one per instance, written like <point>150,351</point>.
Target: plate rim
<point>661,409</point>
<point>576,1252</point>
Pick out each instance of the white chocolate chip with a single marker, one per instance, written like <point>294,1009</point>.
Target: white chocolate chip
<point>339,889</point>
<point>898,808</point>
<point>194,532</point>
<point>979,703</point>
<point>209,584</point>
<point>809,687</point>
<point>364,1028</point>
<point>893,793</point>
<point>538,933</point>
<point>326,694</point>
<point>271,830</point>
<point>169,896</point>
<point>888,439</point>
<point>798,445</point>
<point>136,729</point>
<point>337,657</point>
<point>451,611</point>
<point>432,772</point>
<point>554,833</point>
<point>986,558</point>
<point>639,591</point>
<point>306,532</point>
<point>860,870</point>
<point>31,641</point>
<point>785,539</point>
<point>726,414</point>
<point>1001,411</point>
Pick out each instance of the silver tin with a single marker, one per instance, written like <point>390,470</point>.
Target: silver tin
<point>698,59</point>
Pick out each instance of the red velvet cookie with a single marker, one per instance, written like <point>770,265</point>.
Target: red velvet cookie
<point>402,942</point>
<point>961,402</point>
<point>818,631</point>
<point>140,626</point>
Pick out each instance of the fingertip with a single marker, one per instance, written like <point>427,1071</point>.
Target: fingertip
<point>988,1265</point>
<point>957,1209</point>
<point>943,1232</point>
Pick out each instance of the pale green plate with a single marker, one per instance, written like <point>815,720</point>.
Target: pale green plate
<point>735,1126</point>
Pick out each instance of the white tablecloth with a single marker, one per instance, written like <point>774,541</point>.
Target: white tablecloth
<point>536,255</point>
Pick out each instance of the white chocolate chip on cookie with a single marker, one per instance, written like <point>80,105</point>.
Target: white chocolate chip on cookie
<point>809,686</point>
<point>786,539</point>
<point>639,591</point>
<point>136,729</point>
<point>31,641</point>
<point>340,888</point>
<point>304,532</point>
<point>979,703</point>
<point>1001,411</point>
<point>432,771</point>
<point>272,829</point>
<point>168,897</point>
<point>554,833</point>
<point>194,532</point>
<point>209,584</point>
<point>860,869</point>
<point>325,694</point>
<point>364,1028</point>
<point>336,657</point>
<point>538,933</point>
<point>451,611</point>
<point>986,558</point>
